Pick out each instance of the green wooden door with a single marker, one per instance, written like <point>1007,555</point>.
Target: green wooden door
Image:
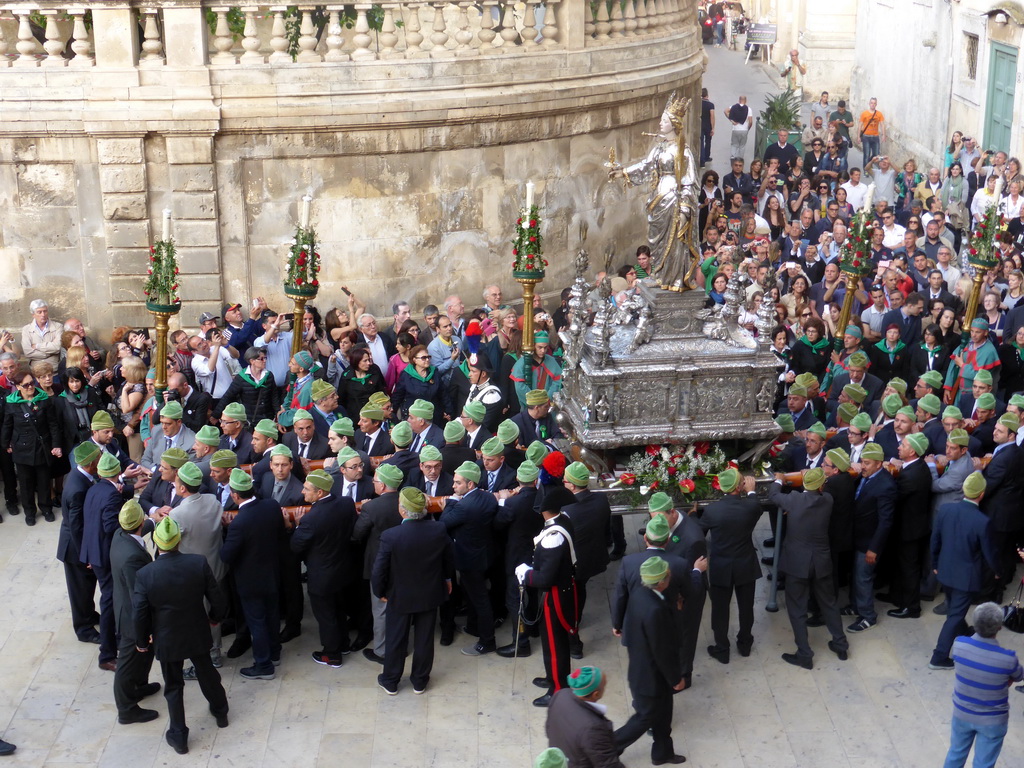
<point>999,104</point>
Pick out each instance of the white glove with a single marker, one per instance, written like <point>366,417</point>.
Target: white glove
<point>521,570</point>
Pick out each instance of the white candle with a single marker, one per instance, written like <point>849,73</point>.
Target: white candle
<point>167,225</point>
<point>529,196</point>
<point>304,218</point>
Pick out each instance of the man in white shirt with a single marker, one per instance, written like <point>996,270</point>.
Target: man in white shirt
<point>944,264</point>
<point>368,328</point>
<point>893,232</point>
<point>856,191</point>
<point>883,177</point>
<point>211,363</point>
<point>40,339</point>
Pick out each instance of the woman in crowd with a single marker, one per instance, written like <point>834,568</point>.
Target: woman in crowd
<point>418,381</point>
<point>404,343</point>
<point>1011,368</point>
<point>1014,289</point>
<point>338,321</point>
<point>75,407</point>
<point>314,337</point>
<point>717,293</point>
<point>810,354</point>
<point>930,355</point>
<point>992,311</point>
<point>132,393</point>
<point>799,295</point>
<point>359,381</point>
<point>32,436</point>
<point>952,153</point>
<point>254,388</point>
<point>339,361</point>
<point>845,209</point>
<point>906,182</point>
<point>775,216</point>
<point>949,329</point>
<point>709,191</point>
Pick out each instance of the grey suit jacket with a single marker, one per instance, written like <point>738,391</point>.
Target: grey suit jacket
<point>185,440</point>
<point>199,517</point>
<point>805,547</point>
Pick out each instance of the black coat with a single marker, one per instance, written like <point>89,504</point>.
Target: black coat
<point>685,583</point>
<point>804,359</point>
<point>253,546</point>
<point>1003,489</point>
<point>319,448</point>
<point>591,519</point>
<point>158,494</point>
<point>913,502</point>
<point>841,488</point>
<point>529,428</point>
<point>260,401</point>
<point>650,636</point>
<point>376,516</point>
<point>583,734</point>
<point>30,429</point>
<point>127,556</point>
<point>479,437</point>
<point>354,393</point>
<point>504,479</point>
<point>99,517</point>
<point>364,488</point>
<point>910,327</point>
<point>196,409</point>
<point>72,433</point>
<point>453,456</point>
<point>687,539</point>
<point>409,389</point>
<point>405,460</point>
<point>412,565</point>
<point>732,559</point>
<point>805,547</point>
<point>415,479</point>
<point>381,445</point>
<point>72,504</point>
<point>553,569</point>
<point>292,492</point>
<point>323,537</point>
<point>168,604</point>
<point>469,522</point>
<point>521,522</point>
<point>919,359</point>
<point>887,369</point>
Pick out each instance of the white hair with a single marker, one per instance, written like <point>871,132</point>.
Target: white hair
<point>37,304</point>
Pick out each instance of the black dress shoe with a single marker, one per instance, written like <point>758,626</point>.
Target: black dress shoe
<point>903,613</point>
<point>542,701</point>
<point>137,715</point>
<point>371,656</point>
<point>509,651</point>
<point>768,560</point>
<point>847,610</point>
<point>840,652</point>
<point>769,542</point>
<point>181,747</point>
<point>541,682</point>
<point>6,748</point>
<point>575,649</point>
<point>222,720</point>
<point>290,633</point>
<point>147,690</point>
<point>13,509</point>
<point>240,646</point>
<point>815,620</point>
<point>674,760</point>
<point>90,637</point>
<point>744,649</point>
<point>719,652</point>
<point>798,661</point>
<point>30,519</point>
<point>447,636</point>
<point>48,516</point>
<point>361,642</point>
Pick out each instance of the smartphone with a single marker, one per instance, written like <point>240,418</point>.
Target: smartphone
<point>286,317</point>
<point>346,291</point>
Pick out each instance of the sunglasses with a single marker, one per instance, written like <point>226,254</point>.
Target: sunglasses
<point>806,314</point>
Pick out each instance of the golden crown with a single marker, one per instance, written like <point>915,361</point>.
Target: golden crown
<point>676,108</point>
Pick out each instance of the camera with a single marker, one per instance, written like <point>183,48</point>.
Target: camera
<point>172,395</point>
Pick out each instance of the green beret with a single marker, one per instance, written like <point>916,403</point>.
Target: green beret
<point>728,480</point>
<point>853,330</point>
<point>174,457</point>
<point>346,455</point>
<point>301,414</point>
<point>109,466</point>
<point>818,429</point>
<point>657,529</point>
<point>224,459</point>
<point>537,397</point>
<point>320,479</point>
<point>918,442</point>
<point>210,435</point>
<point>873,451</point>
<point>321,389</point>
<point>467,470</point>
<point>379,398</point>
<point>86,453</point>
<point>952,412</point>
<point>343,426</point>
<point>983,376</point>
<point>959,437</point>
<point>372,413</point>
<point>235,411</point>
<point>907,411</point>
<point>424,409</point>
<point>286,418</point>
<point>577,473</point>
<point>807,379</point>
<point>492,447</point>
<point>1017,401</point>
<point>930,404</point>
<point>858,359</point>
<point>190,474</point>
<point>167,534</point>
<point>172,410</point>
<point>101,420</point>
<point>785,423</point>
<point>240,480</point>
<point>475,411</point>
<point>412,500</point>
<point>798,390</point>
<point>891,404</point>
<point>541,337</point>
<point>856,393</point>
<point>527,473</point>
<point>1010,421</point>
<point>454,431</point>
<point>304,360</point>
<point>861,421</point>
<point>401,435</point>
<point>585,680</point>
<point>898,384</point>
<point>980,323</point>
<point>430,453</point>
<point>932,378</point>
<point>974,485</point>
<point>653,570</point>
<point>536,452</point>
<point>265,427</point>
<point>281,450</point>
<point>814,479</point>
<point>846,411</point>
<point>131,515</point>
<point>552,757</point>
<point>508,431</point>
<point>660,502</point>
<point>390,475</point>
<point>840,459</point>
<point>986,401</point>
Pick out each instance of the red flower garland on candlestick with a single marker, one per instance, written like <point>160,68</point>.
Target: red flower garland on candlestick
<point>526,248</point>
<point>303,265</point>
<point>162,283</point>
<point>855,254</point>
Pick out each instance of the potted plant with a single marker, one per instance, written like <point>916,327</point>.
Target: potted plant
<point>780,111</point>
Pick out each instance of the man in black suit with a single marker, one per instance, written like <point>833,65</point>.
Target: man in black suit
<point>579,728</point>
<point>455,451</point>
<point>468,517</point>
<point>591,517</point>
<point>264,438</point>
<point>856,373</point>
<point>159,495</point>
<point>280,482</point>
<point>430,476</point>
<point>799,408</point>
<point>372,439</point>
<point>911,526</point>
<point>282,486</point>
<point>323,536</point>
<point>421,417</point>
<point>234,435</point>
<point>252,549</point>
<point>1002,501</point>
<point>168,607</point>
<point>734,565</point>
<point>127,555</point>
<point>537,422</point>
<point>806,561</point>
<point>305,443</point>
<point>496,475</point>
<point>352,483</point>
<point>195,405</point>
<point>875,502</point>
<point>80,579</point>
<point>650,637</point>
<point>841,486</point>
<point>811,454</point>
<point>403,458</point>
<point>908,319</point>
<point>472,419</point>
<point>412,572</point>
<point>103,436</point>
<point>325,410</point>
<point>376,516</point>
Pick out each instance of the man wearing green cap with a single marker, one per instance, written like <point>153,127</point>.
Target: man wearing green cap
<point>373,440</point>
<point>812,452</point>
<point>875,506</point>
<point>325,409</point>
<point>264,438</point>
<point>886,436</point>
<point>455,451</point>
<point>733,559</point>
<point>496,475</point>
<point>576,728</point>
<point>323,538</point>
<point>79,578</point>
<point>304,441</point>
<point>856,373</point>
<point>536,422</point>
<point>472,418</point>
<point>103,435</point>
<point>798,408</point>
<point>376,516</point>
<point>928,409</point>
<point>982,384</point>
<point>235,436</point>
<point>1002,501</point>
<point>421,415</point>
<point>352,482</point>
<point>253,388</point>
<point>412,571</point>
<point>281,484</point>
<point>650,636</point>
<point>194,404</point>
<point>159,497</point>
<point>538,371</point>
<point>841,486</point>
<point>961,547</point>
<point>170,433</point>
<point>983,424</point>
<point>341,435</point>
<point>169,607</point>
<point>911,526</point>
<point>468,516</point>
<point>979,353</point>
<point>430,476</point>
<point>403,458</point>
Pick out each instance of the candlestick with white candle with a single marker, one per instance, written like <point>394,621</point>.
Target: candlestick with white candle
<point>304,217</point>
<point>529,197</point>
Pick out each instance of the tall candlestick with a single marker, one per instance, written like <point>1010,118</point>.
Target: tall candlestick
<point>167,225</point>
<point>304,218</point>
<point>529,196</point>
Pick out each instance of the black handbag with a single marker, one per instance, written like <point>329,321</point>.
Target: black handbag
<point>1013,612</point>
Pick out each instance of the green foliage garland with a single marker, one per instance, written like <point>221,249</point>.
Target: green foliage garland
<point>526,248</point>
<point>162,283</point>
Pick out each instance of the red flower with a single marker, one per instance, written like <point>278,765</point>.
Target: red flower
<point>301,261</point>
<point>672,471</point>
<point>654,485</point>
<point>533,239</point>
<point>302,254</point>
<point>152,249</point>
<point>533,222</point>
<point>686,485</point>
<point>298,281</point>
<point>714,483</point>
<point>316,282</point>
<point>519,221</point>
<point>974,251</point>
<point>700,473</point>
<point>856,262</point>
<point>529,266</point>
<point>176,270</point>
<point>628,478</point>
<point>981,225</point>
<point>701,447</point>
<point>174,287</point>
<point>655,464</point>
<point>515,251</point>
<point>652,450</point>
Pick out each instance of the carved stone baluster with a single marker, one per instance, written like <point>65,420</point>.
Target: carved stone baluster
<point>629,15</point>
<point>279,37</point>
<point>618,25</point>
<point>641,18</point>
<point>53,46</point>
<point>530,25</point>
<point>550,29</point>
<point>603,24</point>
<point>222,40</point>
<point>439,36</point>
<point>307,38</point>
<point>335,39</point>
<point>464,35</point>
<point>28,48</point>
<point>413,35</point>
<point>152,45</point>
<point>487,33</point>
<point>672,13</point>
<point>662,16</point>
<point>251,41</point>
<point>388,33</point>
<point>509,35</point>
<point>80,42</point>
<point>5,47</point>
<point>362,39</point>
<point>653,20</point>
<point>589,26</point>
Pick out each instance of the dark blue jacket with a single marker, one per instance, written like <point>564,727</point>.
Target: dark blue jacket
<point>253,547</point>
<point>99,517</point>
<point>72,501</point>
<point>413,562</point>
<point>873,512</point>
<point>960,540</point>
<point>1003,488</point>
<point>469,522</point>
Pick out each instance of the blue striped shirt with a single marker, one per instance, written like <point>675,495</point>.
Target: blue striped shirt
<point>984,672</point>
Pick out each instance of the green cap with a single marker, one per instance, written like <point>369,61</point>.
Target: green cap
<point>907,411</point>
<point>467,470</point>
<point>430,453</point>
<point>379,399</point>
<point>657,529</point>
<point>86,453</point>
<point>898,384</point>
<point>172,410</point>
<point>818,429</point>
<point>807,379</point>
<point>1010,421</point>
<point>301,414</point>
<point>109,466</point>
<point>281,450</point>
<point>660,502</point>
<point>174,457</point>
<point>537,397</point>
<point>855,392</point>
<point>475,411</point>
<point>131,515</point>
<point>304,359</point>
<point>932,378</point>
<point>986,401</point>
<point>508,432</point>
<point>861,421</point>
<point>873,451</point>
<point>320,479</point>
<point>321,389</point>
<point>401,435</point>
<point>857,360</point>
<point>210,435</point>
<point>101,420</point>
<point>527,473</point>
<point>577,473</point>
<point>798,390</point>
<point>454,431</point>
<point>552,757</point>
<point>891,404</point>
<point>585,680</point>
<point>371,412</point>
<point>346,455</point>
<point>952,412</point>
<point>424,409</point>
<point>728,480</point>
<point>343,426</point>
<point>980,323</point>
<point>918,442</point>
<point>224,459</point>
<point>959,437</point>
<point>653,570</point>
<point>167,534</point>
<point>235,411</point>
<point>853,330</point>
<point>840,459</point>
<point>240,480</point>
<point>785,423</point>
<point>412,500</point>
<point>265,427</point>
<point>983,376</point>
<point>390,475</point>
<point>190,474</point>
<point>1017,401</point>
<point>536,452</point>
<point>930,404</point>
<point>846,411</point>
<point>814,479</point>
<point>974,485</point>
<point>541,337</point>
<point>492,447</point>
